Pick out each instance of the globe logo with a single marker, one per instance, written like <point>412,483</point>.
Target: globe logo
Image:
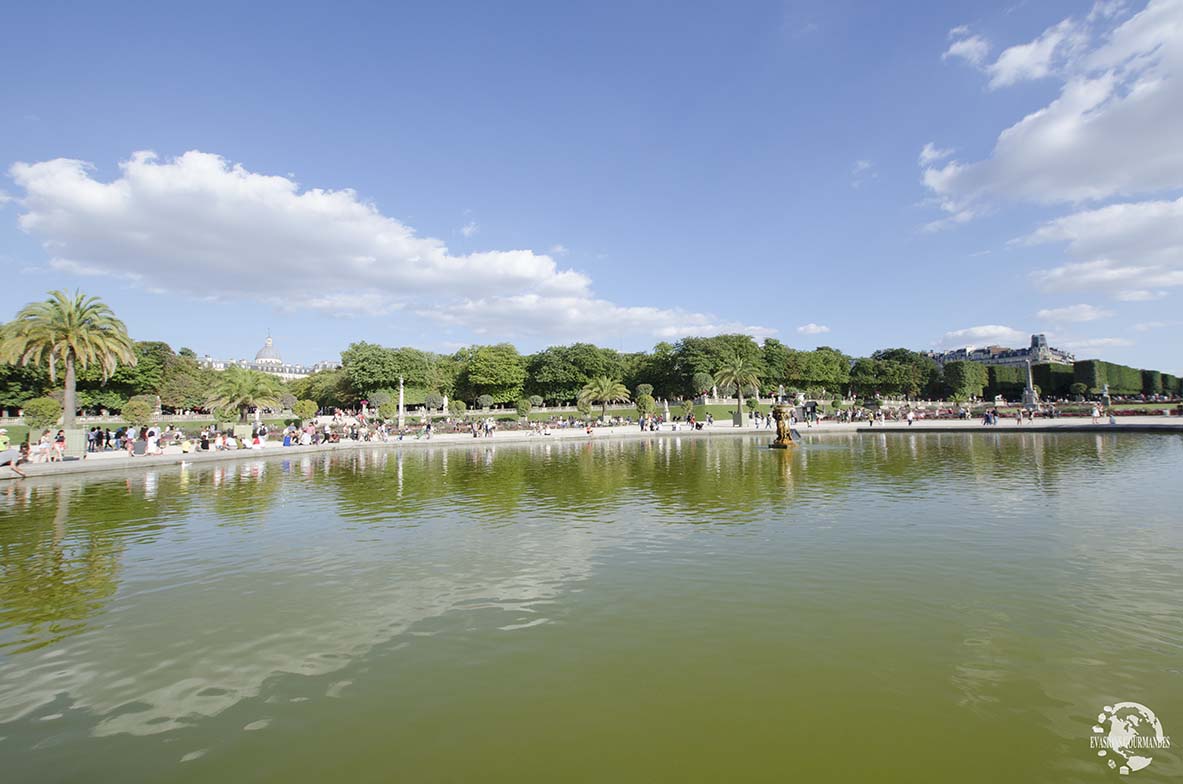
<point>1125,735</point>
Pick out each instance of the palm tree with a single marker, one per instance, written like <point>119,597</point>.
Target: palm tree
<point>77,332</point>
<point>604,390</point>
<point>740,372</point>
<point>244,389</point>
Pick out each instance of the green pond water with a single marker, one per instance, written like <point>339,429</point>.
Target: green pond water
<point>912,608</point>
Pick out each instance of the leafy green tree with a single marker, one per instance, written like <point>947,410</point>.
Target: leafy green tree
<point>20,383</point>
<point>914,373</point>
<point>644,389</point>
<point>701,383</point>
<point>146,376</point>
<point>523,407</point>
<point>184,384</point>
<point>305,409</point>
<point>77,331</point>
<point>329,388</point>
<point>369,367</point>
<point>243,390</point>
<point>457,407</point>
<point>708,355</point>
<point>497,371</point>
<point>740,372</point>
<point>434,401</point>
<point>41,413</point>
<point>388,410</point>
<point>604,390</point>
<point>776,361</point>
<point>1078,390</point>
<point>287,400</point>
<point>645,403</point>
<point>139,410</point>
<point>559,372</point>
<point>485,401</point>
<point>584,407</point>
<point>966,379</point>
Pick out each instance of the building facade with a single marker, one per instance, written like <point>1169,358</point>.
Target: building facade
<point>268,360</point>
<point>1039,352</point>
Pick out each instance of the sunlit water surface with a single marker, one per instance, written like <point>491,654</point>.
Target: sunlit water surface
<point>865,608</point>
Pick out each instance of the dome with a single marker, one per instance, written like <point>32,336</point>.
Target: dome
<point>268,354</point>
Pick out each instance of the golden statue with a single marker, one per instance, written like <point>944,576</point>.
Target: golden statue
<point>782,414</point>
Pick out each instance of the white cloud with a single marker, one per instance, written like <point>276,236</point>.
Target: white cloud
<point>1139,295</point>
<point>1091,343</point>
<point>985,334</point>
<point>813,329</point>
<point>570,317</point>
<point>930,153</point>
<point>1147,326</point>
<point>1111,131</point>
<point>1074,313</point>
<point>966,46</point>
<point>1037,59</point>
<point>558,249</point>
<point>1135,247</point>
<point>184,223</point>
<point>470,228</point>
<point>861,171</point>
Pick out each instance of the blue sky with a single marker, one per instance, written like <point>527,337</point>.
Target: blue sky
<point>857,175</point>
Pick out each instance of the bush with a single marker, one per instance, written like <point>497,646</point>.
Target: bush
<point>457,407</point>
<point>644,389</point>
<point>485,401</point>
<point>41,413</point>
<point>305,409</point>
<point>645,404</point>
<point>434,401</point>
<point>389,409</point>
<point>139,411</point>
<point>380,397</point>
<point>702,382</point>
<point>536,401</point>
<point>523,407</point>
<point>583,406</point>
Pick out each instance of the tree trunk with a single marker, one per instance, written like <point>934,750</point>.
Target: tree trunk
<point>70,398</point>
<point>604,412</point>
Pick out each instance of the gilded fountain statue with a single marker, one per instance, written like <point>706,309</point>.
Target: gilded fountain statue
<point>782,414</point>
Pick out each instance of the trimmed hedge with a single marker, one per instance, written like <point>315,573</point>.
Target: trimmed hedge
<point>1053,379</point>
<point>1095,374</point>
<point>1006,380</point>
<point>1151,382</point>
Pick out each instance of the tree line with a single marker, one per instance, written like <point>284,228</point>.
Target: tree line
<point>74,348</point>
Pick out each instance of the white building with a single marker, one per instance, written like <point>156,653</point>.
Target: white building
<point>1039,352</point>
<point>268,360</point>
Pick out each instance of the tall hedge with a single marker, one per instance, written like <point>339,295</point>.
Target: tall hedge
<point>1053,379</point>
<point>1095,374</point>
<point>1151,382</point>
<point>1171,384</point>
<point>1006,380</point>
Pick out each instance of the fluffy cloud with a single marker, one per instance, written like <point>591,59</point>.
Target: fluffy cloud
<point>1139,295</point>
<point>1136,247</point>
<point>813,329</point>
<point>1037,59</point>
<point>930,153</point>
<point>184,223</point>
<point>1112,130</point>
<point>966,46</point>
<point>985,334</point>
<point>1092,343</point>
<point>1147,326</point>
<point>571,317</point>
<point>1074,313</point>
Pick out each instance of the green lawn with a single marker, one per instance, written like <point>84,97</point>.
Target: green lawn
<point>18,433</point>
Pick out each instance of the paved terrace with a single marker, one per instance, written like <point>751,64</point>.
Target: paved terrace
<point>119,461</point>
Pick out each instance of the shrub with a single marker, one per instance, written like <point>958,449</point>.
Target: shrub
<point>702,382</point>
<point>583,406</point>
<point>644,389</point>
<point>523,407</point>
<point>41,413</point>
<point>485,401</point>
<point>457,407</point>
<point>536,401</point>
<point>389,409</point>
<point>139,410</point>
<point>305,409</point>
<point>434,401</point>
<point>645,404</point>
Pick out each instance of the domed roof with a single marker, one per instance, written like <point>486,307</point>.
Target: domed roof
<point>268,353</point>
